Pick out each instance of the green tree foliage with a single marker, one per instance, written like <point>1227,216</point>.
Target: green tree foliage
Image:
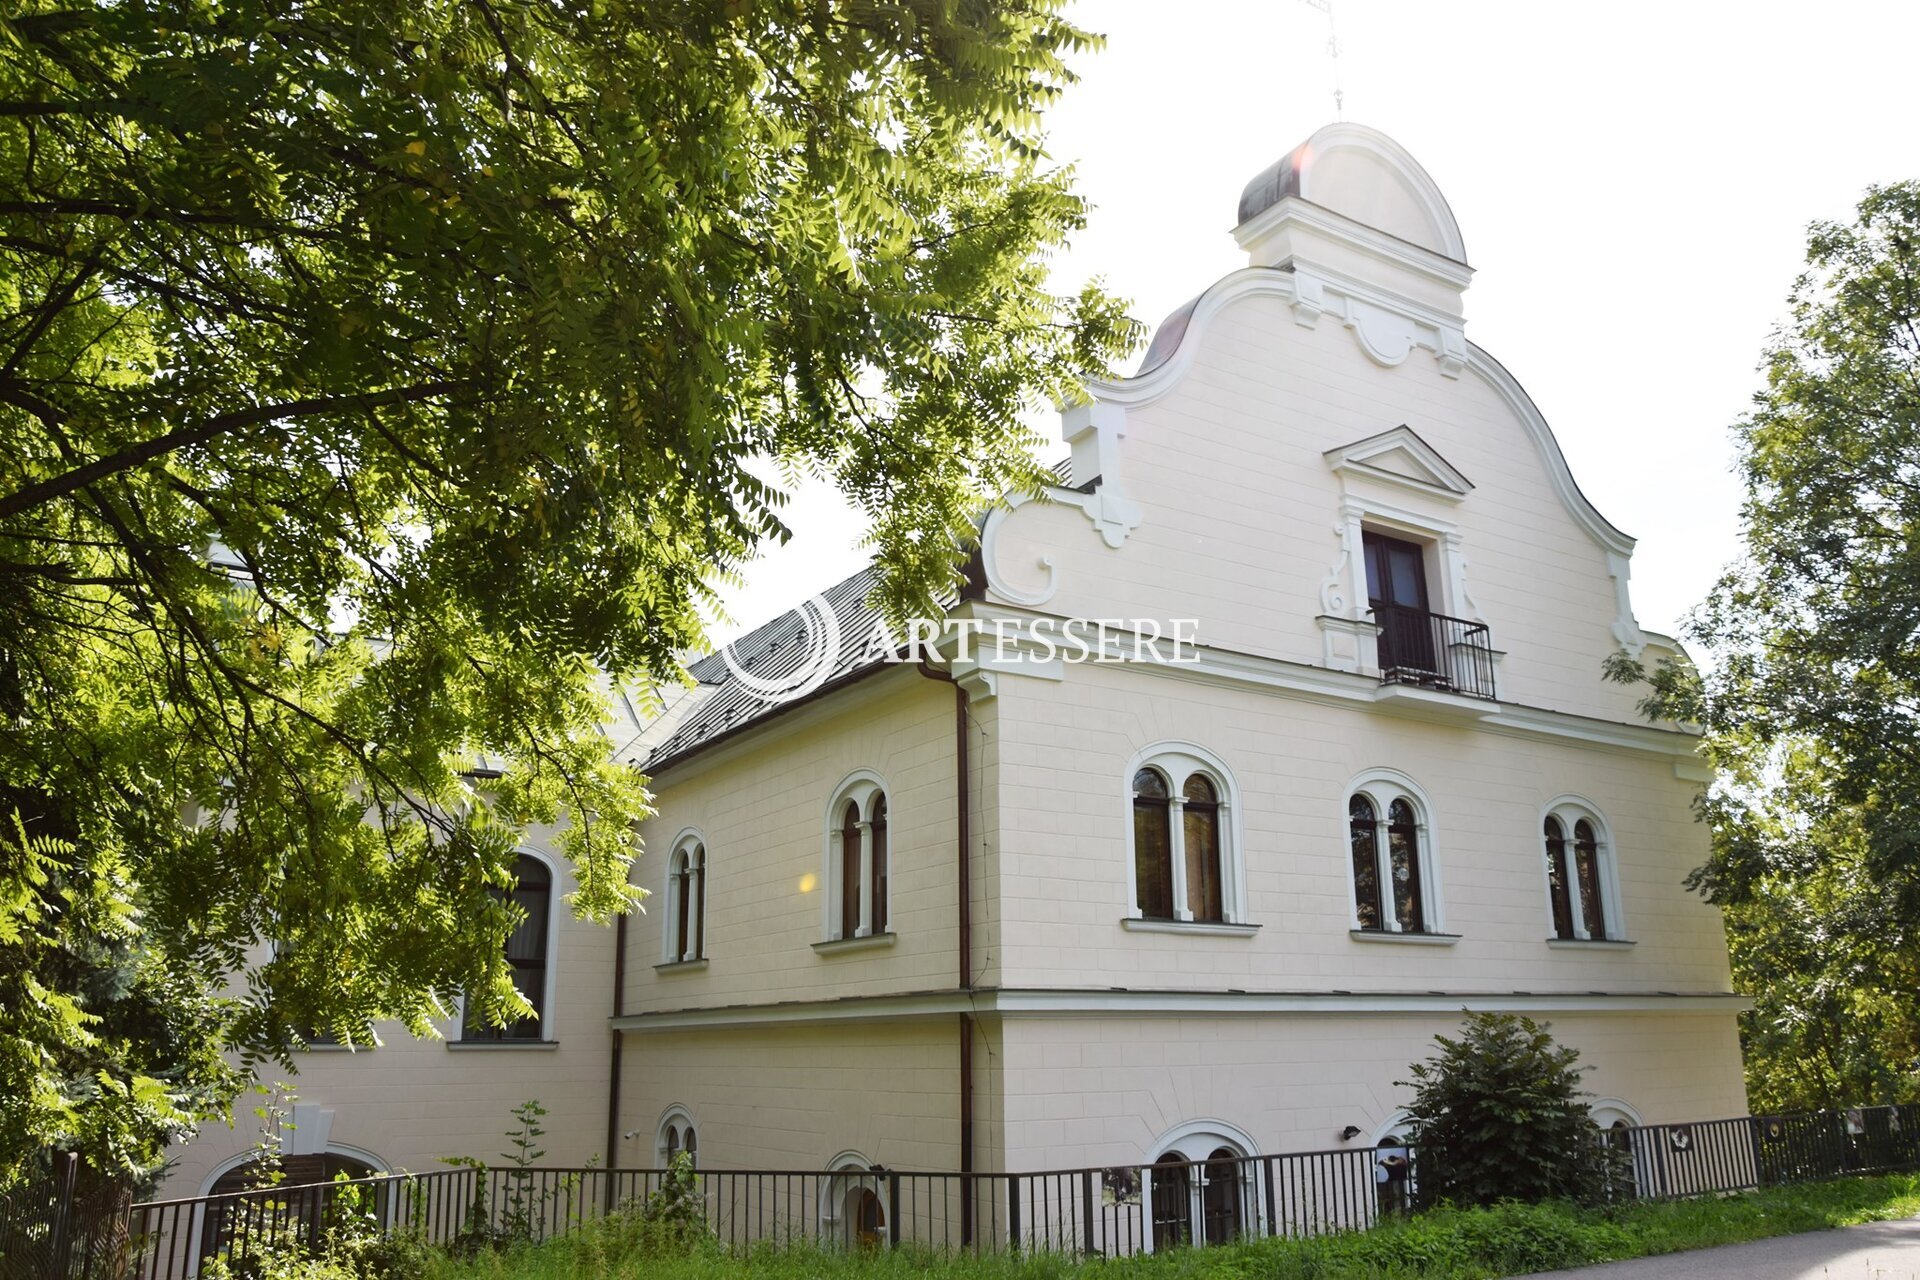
<point>1812,702</point>
<point>382,385</point>
<point>1497,1115</point>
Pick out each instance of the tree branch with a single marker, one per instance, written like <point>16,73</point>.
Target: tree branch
<point>147,450</point>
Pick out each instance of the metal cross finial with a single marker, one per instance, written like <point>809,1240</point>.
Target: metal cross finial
<point>1333,54</point>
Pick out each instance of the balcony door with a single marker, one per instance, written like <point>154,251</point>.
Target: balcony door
<point>1397,594</point>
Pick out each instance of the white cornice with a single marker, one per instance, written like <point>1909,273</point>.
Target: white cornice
<point>1084,1003</point>
<point>1372,241</point>
<point>1250,282</point>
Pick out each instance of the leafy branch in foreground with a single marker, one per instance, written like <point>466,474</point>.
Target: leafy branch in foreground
<point>1811,704</point>
<point>383,386</point>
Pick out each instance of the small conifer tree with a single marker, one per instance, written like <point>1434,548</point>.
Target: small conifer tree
<point>1498,1115</point>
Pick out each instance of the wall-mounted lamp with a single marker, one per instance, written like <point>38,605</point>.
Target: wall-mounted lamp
<point>1349,1133</point>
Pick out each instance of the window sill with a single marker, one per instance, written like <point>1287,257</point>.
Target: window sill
<point>1590,944</point>
<point>670,967</point>
<point>491,1046</point>
<point>1213,928</point>
<point>338,1048</point>
<point>1404,939</point>
<point>841,946</point>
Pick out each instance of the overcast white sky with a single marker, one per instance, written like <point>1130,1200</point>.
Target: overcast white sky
<point>1633,180</point>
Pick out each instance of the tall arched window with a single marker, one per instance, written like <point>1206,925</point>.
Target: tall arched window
<point>527,948</point>
<point>686,932</point>
<point>1583,896</point>
<point>1586,871</point>
<point>1363,839</point>
<point>1183,841</point>
<point>1201,809</point>
<point>859,861</point>
<point>878,880</point>
<point>1153,845</point>
<point>1390,853</point>
<point>1560,903</point>
<point>850,878</point>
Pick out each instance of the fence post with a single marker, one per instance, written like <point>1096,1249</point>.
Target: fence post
<point>1013,1212</point>
<point>893,1208</point>
<point>68,1164</point>
<point>1273,1209</point>
<point>1086,1210</point>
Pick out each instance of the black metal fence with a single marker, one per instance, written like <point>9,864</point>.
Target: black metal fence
<point>1113,1211</point>
<point>1433,651</point>
<point>69,1225</point>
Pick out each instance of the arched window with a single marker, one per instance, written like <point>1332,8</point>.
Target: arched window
<point>1392,861</point>
<point>527,951</point>
<point>1201,808</point>
<point>1586,872</point>
<point>1153,845</point>
<point>1583,895</point>
<point>1202,1187</point>
<point>859,860</point>
<point>1561,903</point>
<point>1172,1202</point>
<point>1363,837</point>
<point>850,879</point>
<point>1223,1196</point>
<point>686,932</point>
<point>1185,854</point>
<point>852,1211</point>
<point>677,1135</point>
<point>878,880</point>
<point>302,1193</point>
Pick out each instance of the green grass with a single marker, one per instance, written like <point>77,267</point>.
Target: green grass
<point>1448,1244</point>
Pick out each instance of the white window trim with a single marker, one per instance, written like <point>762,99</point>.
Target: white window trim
<point>695,949</point>
<point>1383,787</point>
<point>1177,761</point>
<point>673,1115</point>
<point>850,1170</point>
<point>1570,809</point>
<point>550,988</point>
<point>1193,1142</point>
<point>1345,620</point>
<point>863,787</point>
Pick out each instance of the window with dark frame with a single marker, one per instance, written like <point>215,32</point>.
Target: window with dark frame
<point>877,830</point>
<point>1556,841</point>
<point>850,870</point>
<point>1206,890</point>
<point>1586,865</point>
<point>527,958</point>
<point>1363,839</point>
<point>1222,1202</point>
<point>1152,845</point>
<point>689,895</point>
<point>1403,864</point>
<point>1172,1202</point>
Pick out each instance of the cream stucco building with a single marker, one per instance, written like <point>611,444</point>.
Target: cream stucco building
<point>1011,911</point>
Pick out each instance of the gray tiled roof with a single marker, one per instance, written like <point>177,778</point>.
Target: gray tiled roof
<point>775,649</point>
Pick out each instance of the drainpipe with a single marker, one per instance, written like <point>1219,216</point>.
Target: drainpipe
<point>963,836</point>
<point>613,1076</point>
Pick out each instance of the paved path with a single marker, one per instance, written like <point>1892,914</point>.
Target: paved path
<point>1876,1251</point>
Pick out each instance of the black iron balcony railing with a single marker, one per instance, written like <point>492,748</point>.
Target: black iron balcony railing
<point>1433,651</point>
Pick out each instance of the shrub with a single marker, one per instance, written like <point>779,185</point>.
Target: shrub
<point>1497,1115</point>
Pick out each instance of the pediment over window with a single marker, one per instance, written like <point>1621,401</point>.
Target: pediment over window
<point>1400,457</point>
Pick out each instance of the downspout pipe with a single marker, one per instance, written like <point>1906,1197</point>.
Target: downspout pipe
<point>963,838</point>
<point>613,1071</point>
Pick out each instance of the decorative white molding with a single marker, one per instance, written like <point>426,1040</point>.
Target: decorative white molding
<point>1591,944</point>
<point>1251,282</point>
<point>864,942</point>
<point>1094,432</point>
<point>1139,924</point>
<point>1693,771</point>
<point>1430,475</point>
<point>1066,1002</point>
<point>669,968</point>
<point>990,554</point>
<point>1404,939</point>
